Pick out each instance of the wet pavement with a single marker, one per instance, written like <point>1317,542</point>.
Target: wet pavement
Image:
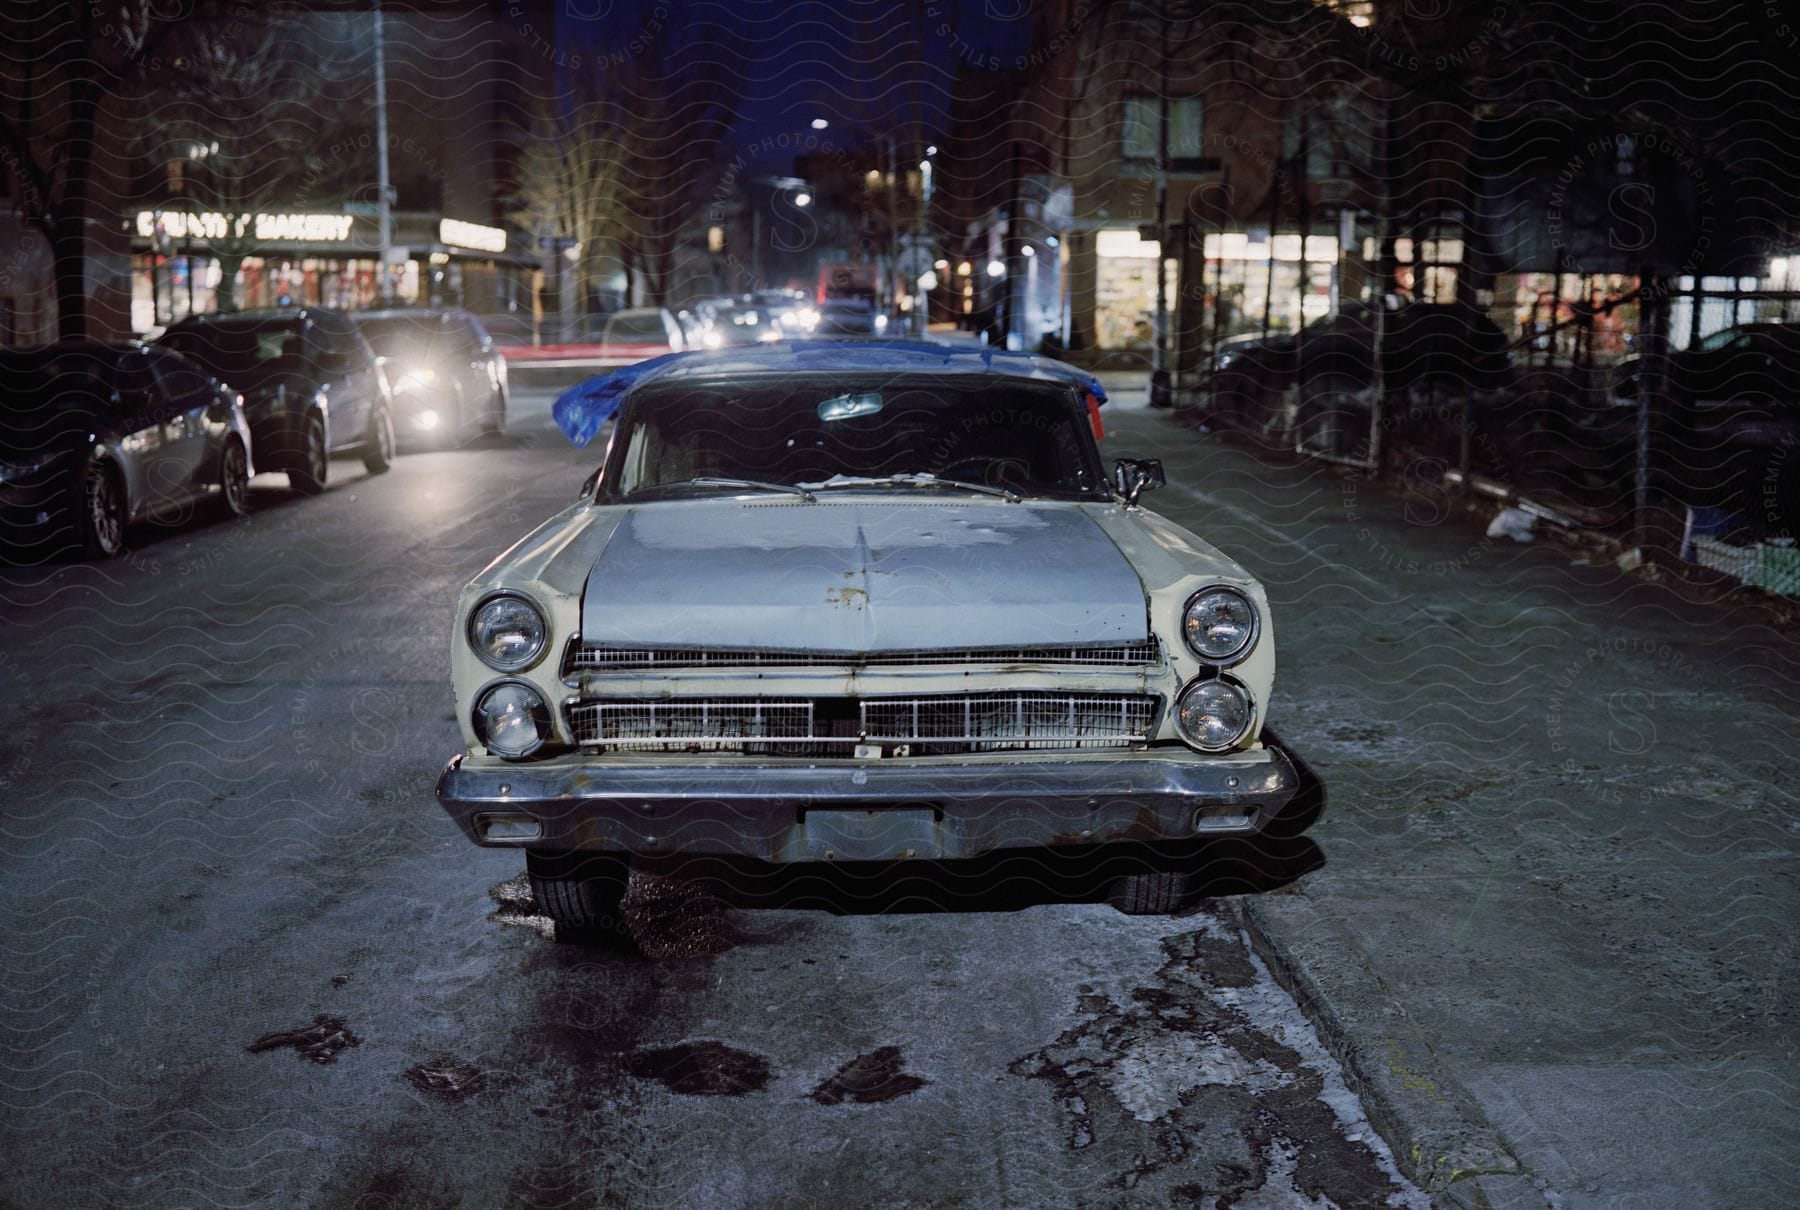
<point>223,860</point>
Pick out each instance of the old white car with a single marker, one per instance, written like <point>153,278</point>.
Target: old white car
<point>858,603</point>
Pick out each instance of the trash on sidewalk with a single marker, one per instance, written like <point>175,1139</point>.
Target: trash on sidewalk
<point>1514,523</point>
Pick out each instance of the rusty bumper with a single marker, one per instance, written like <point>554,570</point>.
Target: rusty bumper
<point>869,810</point>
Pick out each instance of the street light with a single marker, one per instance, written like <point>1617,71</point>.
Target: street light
<point>820,123</point>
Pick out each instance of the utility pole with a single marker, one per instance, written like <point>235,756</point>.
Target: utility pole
<point>922,298</point>
<point>383,215</point>
<point>1159,371</point>
<point>895,290</point>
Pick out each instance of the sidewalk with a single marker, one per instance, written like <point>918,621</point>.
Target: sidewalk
<point>1553,941</point>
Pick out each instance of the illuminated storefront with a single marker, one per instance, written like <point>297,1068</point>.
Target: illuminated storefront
<point>1250,278</point>
<point>1125,288</point>
<point>312,259</point>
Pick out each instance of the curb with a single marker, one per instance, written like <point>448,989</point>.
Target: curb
<point>1440,1138</point>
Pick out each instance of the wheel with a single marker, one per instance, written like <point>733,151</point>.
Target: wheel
<point>234,479</point>
<point>495,423</point>
<point>578,890</point>
<point>103,511</point>
<point>308,479</point>
<point>378,448</point>
<point>1152,893</point>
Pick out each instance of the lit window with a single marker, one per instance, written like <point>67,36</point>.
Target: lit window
<point>1357,12</point>
<point>1143,118</point>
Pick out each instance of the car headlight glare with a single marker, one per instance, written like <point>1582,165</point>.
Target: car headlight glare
<point>507,632</point>
<point>512,720</point>
<point>1219,625</point>
<point>1214,716</point>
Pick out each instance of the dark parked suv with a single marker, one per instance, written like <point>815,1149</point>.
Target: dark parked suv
<point>1729,431</point>
<point>1437,350</point>
<point>310,383</point>
<point>449,381</point>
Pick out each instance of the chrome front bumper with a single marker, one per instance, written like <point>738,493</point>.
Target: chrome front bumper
<point>875,810</point>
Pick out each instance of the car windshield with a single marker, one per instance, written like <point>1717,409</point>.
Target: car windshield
<point>246,355</point>
<point>1022,437</point>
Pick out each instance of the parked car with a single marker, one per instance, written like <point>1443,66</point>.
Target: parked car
<point>860,602</point>
<point>1729,431</point>
<point>310,383</point>
<point>1313,388</point>
<point>95,436</point>
<point>448,380</point>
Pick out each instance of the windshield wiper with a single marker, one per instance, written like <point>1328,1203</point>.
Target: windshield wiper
<point>918,479</point>
<point>718,481</point>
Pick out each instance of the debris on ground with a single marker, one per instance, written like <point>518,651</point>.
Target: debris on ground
<point>1514,523</point>
<point>703,1069</point>
<point>869,1079</point>
<point>447,1078</point>
<point>674,917</point>
<point>320,1042</point>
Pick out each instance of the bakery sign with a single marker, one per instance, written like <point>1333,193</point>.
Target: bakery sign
<point>458,234</point>
<point>274,228</point>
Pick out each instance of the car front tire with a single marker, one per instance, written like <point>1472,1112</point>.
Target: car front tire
<point>378,452</point>
<point>234,479</point>
<point>579,891</point>
<point>308,479</point>
<point>1152,893</point>
<point>103,511</point>
<point>495,423</point>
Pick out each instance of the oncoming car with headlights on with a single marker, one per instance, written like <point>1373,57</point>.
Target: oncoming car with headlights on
<point>860,602</point>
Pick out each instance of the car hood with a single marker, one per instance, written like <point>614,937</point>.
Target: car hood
<point>861,575</point>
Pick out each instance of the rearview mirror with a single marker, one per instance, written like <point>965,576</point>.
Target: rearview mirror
<point>1132,477</point>
<point>589,484</point>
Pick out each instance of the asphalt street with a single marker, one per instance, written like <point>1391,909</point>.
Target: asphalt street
<point>250,961</point>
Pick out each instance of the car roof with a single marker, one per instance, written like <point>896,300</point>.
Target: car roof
<point>839,356</point>
<point>264,315</point>
<point>580,410</point>
<point>406,313</point>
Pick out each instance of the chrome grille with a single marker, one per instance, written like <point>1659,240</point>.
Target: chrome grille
<point>596,657</point>
<point>939,724</point>
<point>713,724</point>
<point>990,722</point>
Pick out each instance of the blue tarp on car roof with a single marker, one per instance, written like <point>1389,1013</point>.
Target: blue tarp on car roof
<point>582,410</point>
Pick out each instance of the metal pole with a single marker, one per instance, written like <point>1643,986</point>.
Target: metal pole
<point>1384,282</point>
<point>895,290</point>
<point>1651,331</point>
<point>1158,363</point>
<point>382,203</point>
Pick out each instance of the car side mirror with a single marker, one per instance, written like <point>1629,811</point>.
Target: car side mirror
<point>589,484</point>
<point>1132,477</point>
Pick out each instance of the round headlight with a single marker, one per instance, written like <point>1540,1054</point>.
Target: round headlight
<point>507,632</point>
<point>1219,624</point>
<point>512,720</point>
<point>1214,715</point>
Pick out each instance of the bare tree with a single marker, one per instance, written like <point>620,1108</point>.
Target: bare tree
<point>66,64</point>
<point>673,103</point>
<point>570,182</point>
<point>244,113</point>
